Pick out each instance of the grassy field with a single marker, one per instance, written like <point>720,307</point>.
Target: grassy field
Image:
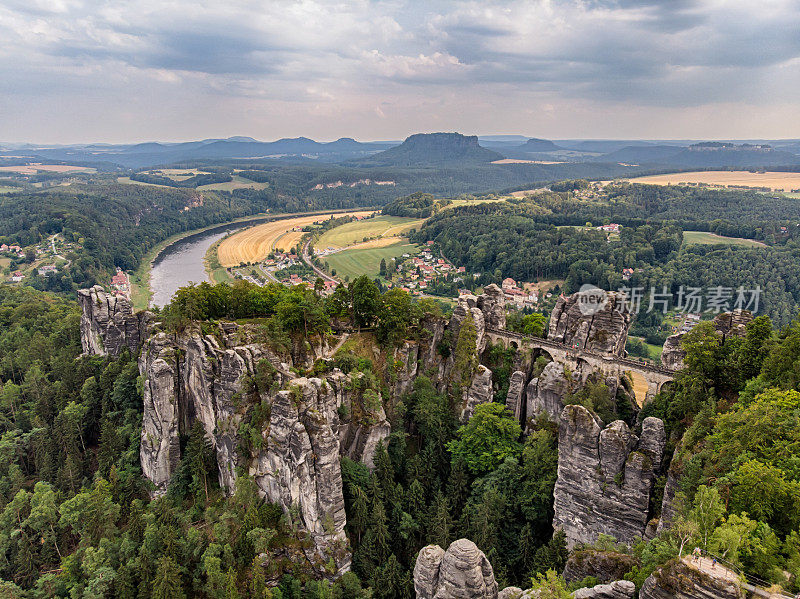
<point>256,243</point>
<point>9,189</point>
<point>701,237</point>
<point>774,180</point>
<point>128,181</point>
<point>216,272</point>
<point>354,232</point>
<point>366,260</point>
<point>457,203</point>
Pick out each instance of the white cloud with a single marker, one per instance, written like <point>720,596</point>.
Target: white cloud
<point>387,68</point>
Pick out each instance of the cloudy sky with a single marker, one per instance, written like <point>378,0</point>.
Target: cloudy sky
<point>133,70</point>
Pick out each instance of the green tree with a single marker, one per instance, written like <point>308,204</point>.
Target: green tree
<point>490,436</point>
<point>167,583</point>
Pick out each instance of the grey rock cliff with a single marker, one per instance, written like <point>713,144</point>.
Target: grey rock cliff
<point>672,354</point>
<point>605,331</point>
<point>461,572</point>
<point>725,324</point>
<point>605,566</point>
<point>677,580</point>
<point>605,477</point>
<point>217,380</point>
<point>516,394</point>
<point>480,391</point>
<point>545,393</point>
<point>493,305</point>
<point>108,323</point>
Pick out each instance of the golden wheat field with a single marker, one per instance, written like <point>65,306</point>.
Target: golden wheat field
<point>774,180</point>
<point>255,243</point>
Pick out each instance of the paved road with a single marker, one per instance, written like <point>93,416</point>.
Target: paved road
<point>319,272</point>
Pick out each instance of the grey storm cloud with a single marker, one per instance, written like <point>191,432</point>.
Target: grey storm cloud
<point>337,58</point>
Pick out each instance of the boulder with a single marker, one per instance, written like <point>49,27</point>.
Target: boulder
<point>604,331</point>
<point>108,323</point>
<point>605,477</point>
<point>461,572</point>
<point>426,571</point>
<point>678,580</point>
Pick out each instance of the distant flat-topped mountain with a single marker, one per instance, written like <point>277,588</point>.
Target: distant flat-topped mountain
<point>535,144</point>
<point>433,149</point>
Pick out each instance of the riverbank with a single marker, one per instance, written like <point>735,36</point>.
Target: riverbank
<point>216,272</point>
<point>141,293</point>
<point>141,289</point>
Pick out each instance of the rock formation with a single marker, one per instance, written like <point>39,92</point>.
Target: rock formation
<point>516,394</point>
<point>493,305</point>
<point>672,353</point>
<point>108,323</point>
<point>461,572</point>
<point>480,391</point>
<point>545,393</point>
<point>619,589</point>
<point>297,428</point>
<point>604,331</point>
<point>725,324</point>
<point>605,566</point>
<point>677,580</point>
<point>605,476</point>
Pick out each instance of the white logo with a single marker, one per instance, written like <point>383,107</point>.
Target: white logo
<point>591,299</point>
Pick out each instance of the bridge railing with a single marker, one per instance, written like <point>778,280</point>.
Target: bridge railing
<point>582,351</point>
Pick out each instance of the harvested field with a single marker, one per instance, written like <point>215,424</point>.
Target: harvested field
<point>381,226</point>
<point>256,243</point>
<point>772,180</point>
<point>32,169</point>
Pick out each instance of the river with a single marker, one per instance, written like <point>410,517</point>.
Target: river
<point>182,263</point>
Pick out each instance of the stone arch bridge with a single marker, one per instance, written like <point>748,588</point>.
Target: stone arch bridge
<point>647,379</point>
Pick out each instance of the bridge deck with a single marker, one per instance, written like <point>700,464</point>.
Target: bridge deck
<point>580,352</point>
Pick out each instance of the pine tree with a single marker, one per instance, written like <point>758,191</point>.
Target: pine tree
<point>167,583</point>
<point>231,592</point>
<point>440,522</point>
<point>360,514</point>
<point>380,532</point>
<point>258,584</point>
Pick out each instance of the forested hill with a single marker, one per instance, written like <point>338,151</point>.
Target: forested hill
<point>545,237</point>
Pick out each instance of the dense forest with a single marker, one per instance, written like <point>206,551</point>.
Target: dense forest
<point>76,518</point>
<point>554,236</point>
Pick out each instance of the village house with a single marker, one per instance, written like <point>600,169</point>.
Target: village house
<point>612,228</point>
<point>17,276</point>
<point>48,268</point>
<point>509,283</point>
